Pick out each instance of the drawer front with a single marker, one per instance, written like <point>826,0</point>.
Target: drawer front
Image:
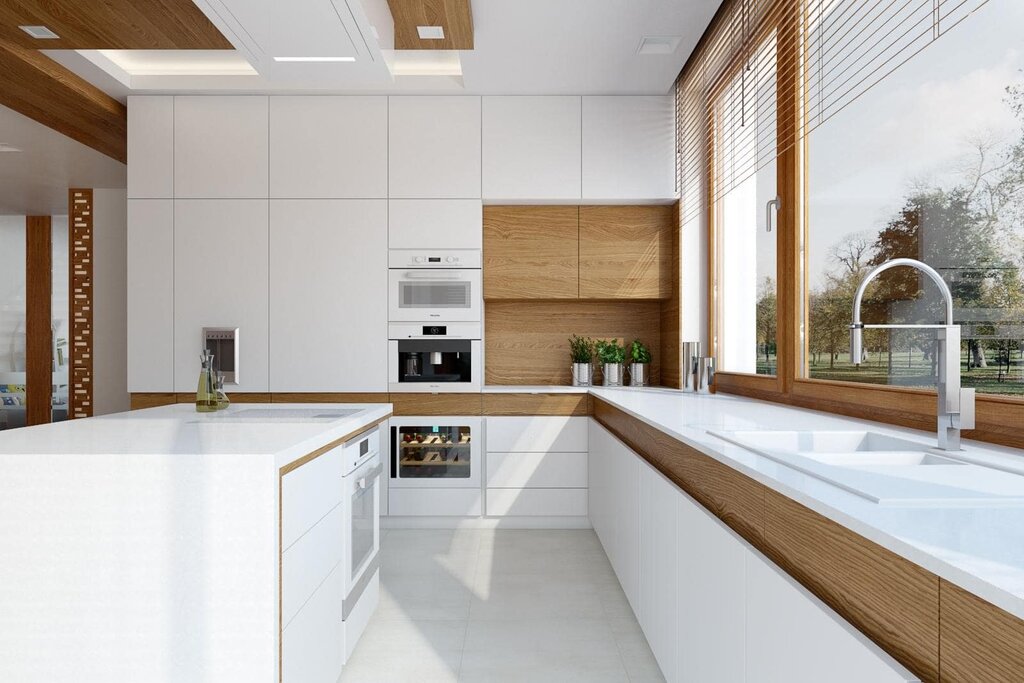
<point>537,434</point>
<point>310,492</point>
<point>537,502</point>
<point>312,647</point>
<point>434,503</point>
<point>537,470</point>
<point>309,560</point>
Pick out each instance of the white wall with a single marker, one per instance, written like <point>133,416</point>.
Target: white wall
<point>110,292</point>
<point>12,294</point>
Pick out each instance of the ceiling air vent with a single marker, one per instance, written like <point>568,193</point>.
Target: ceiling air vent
<point>430,32</point>
<point>658,45</point>
<point>39,32</point>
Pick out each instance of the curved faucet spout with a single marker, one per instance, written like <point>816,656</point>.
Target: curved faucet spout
<point>913,263</point>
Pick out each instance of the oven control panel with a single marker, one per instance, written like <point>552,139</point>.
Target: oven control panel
<point>444,258</point>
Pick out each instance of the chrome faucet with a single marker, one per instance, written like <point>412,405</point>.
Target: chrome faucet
<point>956,405</point>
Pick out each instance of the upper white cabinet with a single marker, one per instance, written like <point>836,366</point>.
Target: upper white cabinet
<point>150,147</point>
<point>150,295</point>
<point>221,147</point>
<point>328,147</point>
<point>435,224</point>
<point>434,147</point>
<point>221,266</point>
<point>328,295</point>
<point>628,148</point>
<point>532,148</point>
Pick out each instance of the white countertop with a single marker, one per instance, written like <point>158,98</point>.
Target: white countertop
<point>282,430</point>
<point>980,549</point>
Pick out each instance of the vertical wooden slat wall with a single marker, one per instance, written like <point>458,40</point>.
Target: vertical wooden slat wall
<point>80,256</point>
<point>38,330</point>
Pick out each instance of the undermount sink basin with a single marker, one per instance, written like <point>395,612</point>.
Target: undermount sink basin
<point>842,448</point>
<point>883,469</point>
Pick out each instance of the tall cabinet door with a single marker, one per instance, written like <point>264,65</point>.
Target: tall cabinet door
<point>221,269</point>
<point>150,295</point>
<point>531,252</point>
<point>328,295</point>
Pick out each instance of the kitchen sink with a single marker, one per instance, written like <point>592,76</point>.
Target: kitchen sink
<point>883,469</point>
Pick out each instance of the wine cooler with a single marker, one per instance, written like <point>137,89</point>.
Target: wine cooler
<point>432,452</point>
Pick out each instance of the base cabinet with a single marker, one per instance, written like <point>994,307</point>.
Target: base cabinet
<point>713,608</point>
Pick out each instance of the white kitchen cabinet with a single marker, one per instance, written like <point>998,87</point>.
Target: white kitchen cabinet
<point>309,561</point>
<point>150,295</point>
<point>434,224</point>
<point>624,493</point>
<point>221,146</point>
<point>150,147</point>
<point>221,272</point>
<point>659,559</point>
<point>792,636</point>
<point>309,492</point>
<point>328,295</point>
<point>536,470</point>
<point>434,147</point>
<point>536,502</point>
<point>539,434</point>
<point>435,503</point>
<point>312,645</point>
<point>628,148</point>
<point>532,148</point>
<point>328,147</point>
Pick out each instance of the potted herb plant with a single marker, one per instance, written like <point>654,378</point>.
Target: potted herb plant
<point>581,350</point>
<point>639,360</point>
<point>612,355</point>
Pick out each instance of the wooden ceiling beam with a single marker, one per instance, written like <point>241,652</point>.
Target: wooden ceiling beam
<point>454,16</point>
<point>38,87</point>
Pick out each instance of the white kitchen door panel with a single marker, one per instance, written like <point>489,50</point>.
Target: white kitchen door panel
<point>221,146</point>
<point>537,470</point>
<point>150,147</point>
<point>328,295</point>
<point>433,224</point>
<point>221,273</point>
<point>538,434</point>
<point>328,147</point>
<point>151,295</point>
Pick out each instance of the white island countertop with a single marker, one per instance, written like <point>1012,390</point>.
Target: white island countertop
<point>977,547</point>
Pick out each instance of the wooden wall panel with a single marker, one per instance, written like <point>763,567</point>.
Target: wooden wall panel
<point>890,599</point>
<point>111,25</point>
<point>153,400</point>
<point>437,404</point>
<point>34,85</point>
<point>322,397</point>
<point>38,317</point>
<point>531,252</point>
<point>625,252</point>
<point>80,265</point>
<point>536,404</point>
<point>527,342</point>
<point>455,16</point>
<point>978,641</point>
<point>672,314</point>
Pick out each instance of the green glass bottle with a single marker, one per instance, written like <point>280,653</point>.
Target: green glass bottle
<point>206,392</point>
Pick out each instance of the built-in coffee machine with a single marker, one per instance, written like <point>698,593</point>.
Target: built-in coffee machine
<point>431,358</point>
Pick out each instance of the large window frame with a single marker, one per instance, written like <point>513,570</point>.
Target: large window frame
<point>999,418</point>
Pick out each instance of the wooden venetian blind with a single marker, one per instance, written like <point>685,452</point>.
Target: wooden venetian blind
<point>729,116</point>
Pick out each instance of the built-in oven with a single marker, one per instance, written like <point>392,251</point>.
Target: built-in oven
<point>434,286</point>
<point>434,358</point>
<point>362,490</point>
<point>435,452</point>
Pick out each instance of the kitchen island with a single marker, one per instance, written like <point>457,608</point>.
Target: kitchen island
<point>154,545</point>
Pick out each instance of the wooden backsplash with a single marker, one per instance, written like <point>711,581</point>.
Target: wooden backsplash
<point>527,342</point>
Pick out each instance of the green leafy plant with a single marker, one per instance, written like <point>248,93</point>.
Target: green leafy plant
<point>639,353</point>
<point>581,349</point>
<point>611,351</point>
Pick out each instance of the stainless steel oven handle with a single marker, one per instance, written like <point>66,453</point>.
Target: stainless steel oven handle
<point>364,481</point>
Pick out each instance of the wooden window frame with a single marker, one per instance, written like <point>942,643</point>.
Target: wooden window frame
<point>1000,419</point>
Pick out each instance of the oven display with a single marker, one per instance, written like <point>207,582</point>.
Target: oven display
<point>433,259</point>
<point>435,330</point>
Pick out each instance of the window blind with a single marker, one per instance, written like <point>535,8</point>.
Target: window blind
<point>767,72</point>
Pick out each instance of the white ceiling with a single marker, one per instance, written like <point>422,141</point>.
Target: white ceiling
<point>35,181</point>
<point>522,47</point>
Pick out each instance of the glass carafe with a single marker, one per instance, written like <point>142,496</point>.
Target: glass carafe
<point>222,398</point>
<point>206,391</point>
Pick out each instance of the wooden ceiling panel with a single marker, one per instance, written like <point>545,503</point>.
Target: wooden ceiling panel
<point>111,25</point>
<point>455,16</point>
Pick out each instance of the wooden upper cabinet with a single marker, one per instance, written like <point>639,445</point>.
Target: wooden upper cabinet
<point>625,252</point>
<point>531,252</point>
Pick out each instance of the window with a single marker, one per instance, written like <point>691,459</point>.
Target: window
<point>926,164</point>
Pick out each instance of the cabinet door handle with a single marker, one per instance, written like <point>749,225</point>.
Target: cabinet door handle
<point>777,203</point>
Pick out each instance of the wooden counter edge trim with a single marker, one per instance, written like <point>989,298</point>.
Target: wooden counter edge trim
<point>532,403</point>
<point>294,465</point>
<point>974,633</point>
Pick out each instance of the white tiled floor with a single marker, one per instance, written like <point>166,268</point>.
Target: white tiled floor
<point>499,606</point>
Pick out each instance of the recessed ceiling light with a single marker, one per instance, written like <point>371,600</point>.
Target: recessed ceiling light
<point>314,59</point>
<point>4,147</point>
<point>430,32</point>
<point>658,45</point>
<point>39,32</point>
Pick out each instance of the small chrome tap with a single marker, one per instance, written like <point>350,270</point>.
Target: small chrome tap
<point>956,405</point>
